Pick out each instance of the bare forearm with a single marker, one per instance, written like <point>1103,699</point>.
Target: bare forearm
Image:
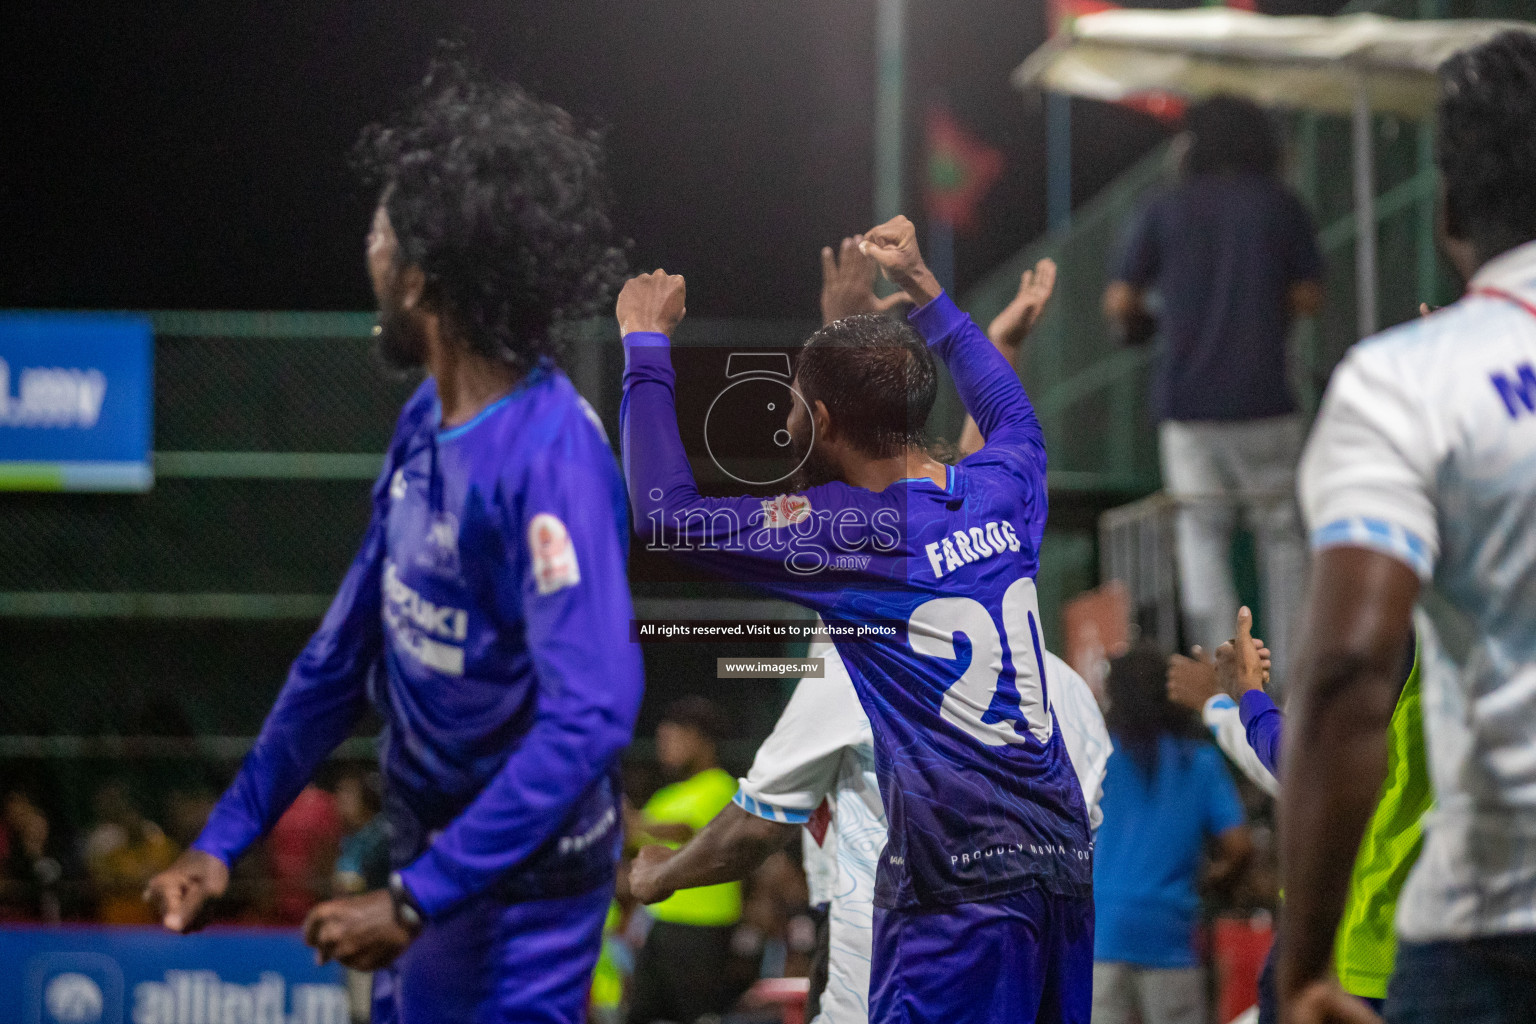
<point>1336,760</point>
<point>728,849</point>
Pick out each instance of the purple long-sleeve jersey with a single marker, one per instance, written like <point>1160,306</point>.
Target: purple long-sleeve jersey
<point>979,792</point>
<point>486,618</point>
<point>1264,725</point>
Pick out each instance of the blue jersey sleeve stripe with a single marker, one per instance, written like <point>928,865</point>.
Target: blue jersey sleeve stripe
<point>1378,535</point>
<point>759,809</point>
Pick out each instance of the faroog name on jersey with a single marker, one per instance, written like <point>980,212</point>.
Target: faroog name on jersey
<point>419,627</point>
<point>966,546</point>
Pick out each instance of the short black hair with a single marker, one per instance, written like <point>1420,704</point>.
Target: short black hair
<point>502,202</point>
<point>876,378</point>
<point>1231,135</point>
<point>700,714</point>
<point>1486,141</point>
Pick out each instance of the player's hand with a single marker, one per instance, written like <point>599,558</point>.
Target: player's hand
<point>1010,326</point>
<point>655,302</point>
<point>848,283</point>
<point>893,245</point>
<point>359,932</point>
<point>1324,1002</point>
<point>645,874</point>
<point>180,893</point>
<point>1192,681</point>
<point>1242,663</point>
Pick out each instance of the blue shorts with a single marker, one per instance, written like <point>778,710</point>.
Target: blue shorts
<point>494,961</point>
<point>1026,957</point>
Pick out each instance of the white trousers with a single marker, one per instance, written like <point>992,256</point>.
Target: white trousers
<point>1216,469</point>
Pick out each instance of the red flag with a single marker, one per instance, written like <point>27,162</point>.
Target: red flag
<point>961,169</point>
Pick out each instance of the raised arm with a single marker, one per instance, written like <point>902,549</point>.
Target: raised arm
<point>1008,330</point>
<point>758,541</point>
<point>988,385</point>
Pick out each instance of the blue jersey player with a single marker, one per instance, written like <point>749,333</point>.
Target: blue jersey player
<point>486,616</point>
<point>983,891</point>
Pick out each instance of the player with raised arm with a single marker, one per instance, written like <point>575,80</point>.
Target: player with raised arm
<point>983,907</point>
<point>486,615</point>
<point>1365,948</point>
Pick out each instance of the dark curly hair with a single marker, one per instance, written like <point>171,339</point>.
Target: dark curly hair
<point>501,201</point>
<point>1231,135</point>
<point>1486,144</point>
<point>876,378</point>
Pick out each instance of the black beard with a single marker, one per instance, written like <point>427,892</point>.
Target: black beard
<point>399,341</point>
<point>813,472</point>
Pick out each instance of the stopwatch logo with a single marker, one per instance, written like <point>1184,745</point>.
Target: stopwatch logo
<point>744,429</point>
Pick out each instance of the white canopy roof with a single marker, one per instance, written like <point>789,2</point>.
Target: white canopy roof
<point>1304,63</point>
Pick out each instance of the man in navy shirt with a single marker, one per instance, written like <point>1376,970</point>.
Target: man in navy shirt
<point>1232,257</point>
<point>486,616</point>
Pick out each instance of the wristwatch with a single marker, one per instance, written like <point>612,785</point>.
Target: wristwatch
<point>408,913</point>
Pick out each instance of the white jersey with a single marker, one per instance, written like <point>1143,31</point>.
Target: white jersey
<point>818,769</point>
<point>1225,722</point>
<point>1425,449</point>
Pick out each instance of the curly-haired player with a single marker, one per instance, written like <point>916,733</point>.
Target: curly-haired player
<point>486,615</point>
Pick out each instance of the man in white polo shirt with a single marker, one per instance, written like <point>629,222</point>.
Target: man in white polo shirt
<point>1419,485</point>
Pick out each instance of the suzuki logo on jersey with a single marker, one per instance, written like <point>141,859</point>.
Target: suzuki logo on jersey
<point>419,627</point>
<point>966,546</point>
<point>554,556</point>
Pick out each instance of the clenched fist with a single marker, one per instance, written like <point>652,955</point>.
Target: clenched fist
<point>893,245</point>
<point>654,302</point>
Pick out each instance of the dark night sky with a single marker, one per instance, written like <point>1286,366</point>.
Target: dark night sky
<point>193,155</point>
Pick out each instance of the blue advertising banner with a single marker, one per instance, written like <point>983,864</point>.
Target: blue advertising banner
<point>76,402</point>
<point>100,975</point>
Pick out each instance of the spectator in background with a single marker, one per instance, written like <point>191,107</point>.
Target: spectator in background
<point>1166,793</point>
<point>301,852</point>
<point>123,851</point>
<point>33,870</point>
<point>1232,256</point>
<point>685,969</point>
<point>363,865</point>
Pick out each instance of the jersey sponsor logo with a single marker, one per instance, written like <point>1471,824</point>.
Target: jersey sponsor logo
<point>430,633</point>
<point>1517,390</point>
<point>963,547</point>
<point>785,510</point>
<point>554,556</point>
<point>397,485</point>
<point>441,553</point>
